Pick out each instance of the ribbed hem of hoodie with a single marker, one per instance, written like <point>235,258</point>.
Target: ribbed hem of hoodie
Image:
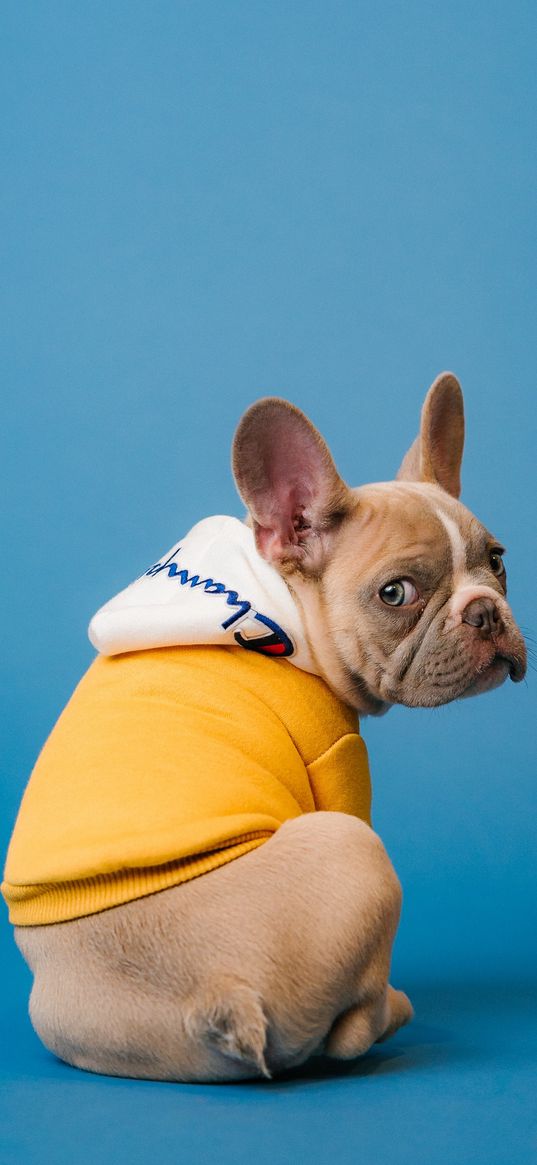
<point>49,902</point>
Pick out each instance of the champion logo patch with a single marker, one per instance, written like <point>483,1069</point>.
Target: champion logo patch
<point>257,632</point>
<point>275,642</point>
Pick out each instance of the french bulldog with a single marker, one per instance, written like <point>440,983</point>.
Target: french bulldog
<point>283,952</point>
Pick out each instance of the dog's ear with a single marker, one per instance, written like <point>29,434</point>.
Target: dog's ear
<point>287,479</point>
<point>436,454</point>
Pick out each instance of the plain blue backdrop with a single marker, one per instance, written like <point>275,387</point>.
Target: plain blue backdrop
<point>208,202</point>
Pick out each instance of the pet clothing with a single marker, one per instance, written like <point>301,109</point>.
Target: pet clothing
<point>197,731</point>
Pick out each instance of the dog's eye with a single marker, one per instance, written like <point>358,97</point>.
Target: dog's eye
<point>401,592</point>
<point>496,562</point>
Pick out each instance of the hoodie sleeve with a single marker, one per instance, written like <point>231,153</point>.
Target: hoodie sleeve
<point>340,780</point>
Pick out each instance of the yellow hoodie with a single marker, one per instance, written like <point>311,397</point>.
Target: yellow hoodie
<point>170,761</point>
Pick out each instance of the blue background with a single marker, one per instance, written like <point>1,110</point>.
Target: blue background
<point>204,203</point>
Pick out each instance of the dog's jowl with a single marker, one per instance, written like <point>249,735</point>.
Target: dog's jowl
<point>193,876</point>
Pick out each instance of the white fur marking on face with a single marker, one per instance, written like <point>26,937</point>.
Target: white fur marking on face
<point>458,548</point>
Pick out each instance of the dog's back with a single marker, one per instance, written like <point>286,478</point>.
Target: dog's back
<point>166,764</point>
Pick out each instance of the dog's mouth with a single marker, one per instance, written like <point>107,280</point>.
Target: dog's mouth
<point>516,665</point>
<point>425,683</point>
<point>502,665</point>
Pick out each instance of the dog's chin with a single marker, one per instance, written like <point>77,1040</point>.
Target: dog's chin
<point>489,678</point>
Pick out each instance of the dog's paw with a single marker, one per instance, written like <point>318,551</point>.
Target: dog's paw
<point>399,1012</point>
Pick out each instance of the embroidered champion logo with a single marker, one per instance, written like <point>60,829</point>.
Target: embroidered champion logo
<point>273,641</point>
<point>276,642</point>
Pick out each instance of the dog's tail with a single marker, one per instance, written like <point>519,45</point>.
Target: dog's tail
<point>229,1017</point>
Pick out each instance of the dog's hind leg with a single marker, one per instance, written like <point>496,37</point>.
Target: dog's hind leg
<point>111,1023</point>
<point>367,1023</point>
<point>242,972</point>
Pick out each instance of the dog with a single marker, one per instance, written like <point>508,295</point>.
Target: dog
<point>193,876</point>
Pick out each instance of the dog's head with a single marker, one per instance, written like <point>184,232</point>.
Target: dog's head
<point>402,589</point>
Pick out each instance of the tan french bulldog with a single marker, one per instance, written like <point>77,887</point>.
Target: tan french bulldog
<point>252,967</point>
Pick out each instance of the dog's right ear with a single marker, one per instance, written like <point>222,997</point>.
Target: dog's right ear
<point>287,479</point>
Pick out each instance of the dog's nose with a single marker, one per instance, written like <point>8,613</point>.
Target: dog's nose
<point>484,614</point>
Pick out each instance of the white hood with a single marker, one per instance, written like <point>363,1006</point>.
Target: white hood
<point>212,587</point>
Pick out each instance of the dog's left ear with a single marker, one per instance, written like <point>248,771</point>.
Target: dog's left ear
<point>287,479</point>
<point>436,454</point>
